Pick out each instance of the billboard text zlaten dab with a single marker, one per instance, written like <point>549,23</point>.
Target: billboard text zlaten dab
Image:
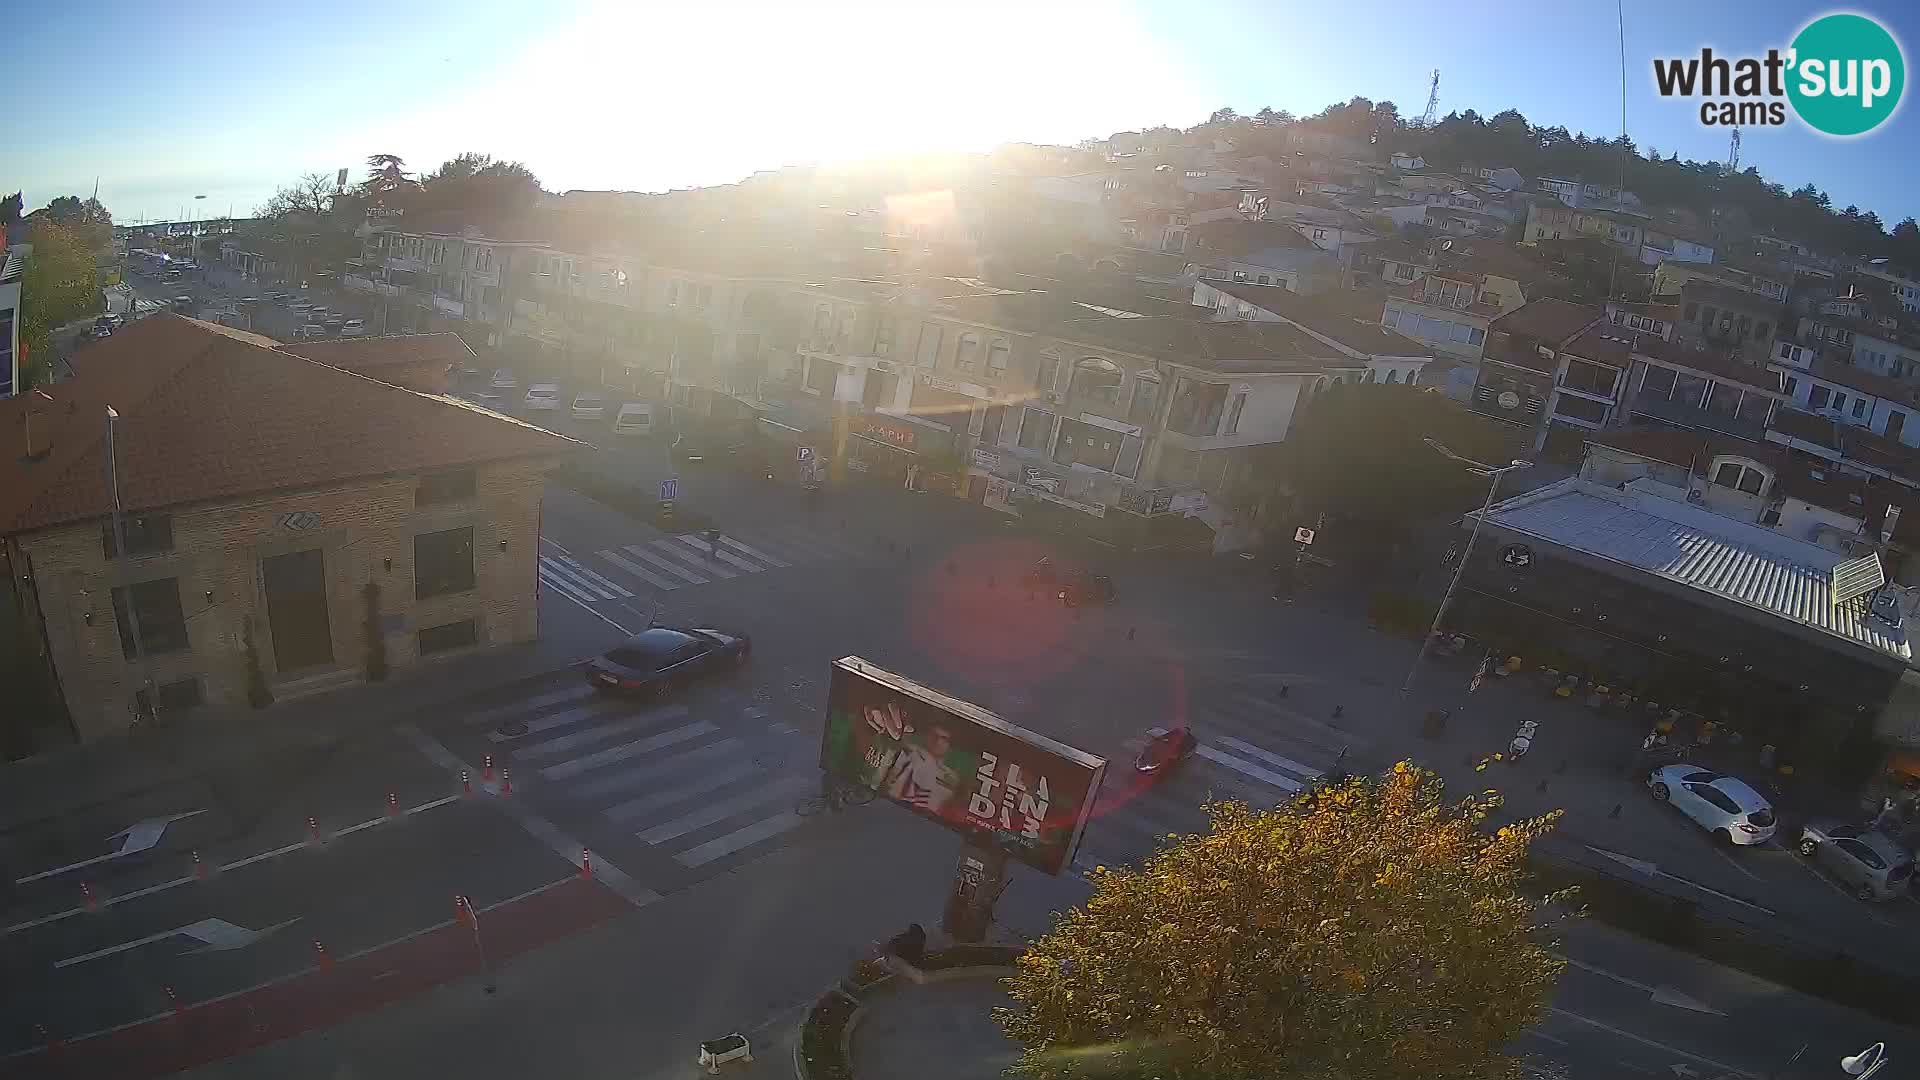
<point>959,764</point>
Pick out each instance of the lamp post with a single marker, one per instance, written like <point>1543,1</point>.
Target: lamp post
<point>1493,475</point>
<point>1866,1062</point>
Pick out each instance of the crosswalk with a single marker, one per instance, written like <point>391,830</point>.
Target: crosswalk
<point>670,563</point>
<point>1251,748</point>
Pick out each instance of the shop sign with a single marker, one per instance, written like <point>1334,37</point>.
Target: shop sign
<point>999,496</point>
<point>940,383</point>
<point>875,429</point>
<point>1146,501</point>
<point>986,460</point>
<point>1090,509</point>
<point>1188,502</point>
<point>1038,480</point>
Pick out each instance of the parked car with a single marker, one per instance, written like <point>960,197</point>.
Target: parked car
<point>589,406</point>
<point>634,418</point>
<point>302,308</point>
<point>543,396</point>
<point>1871,863</point>
<point>1723,805</point>
<point>663,658</point>
<point>310,330</point>
<point>489,400</point>
<point>503,380</point>
<point>183,301</point>
<point>353,328</point>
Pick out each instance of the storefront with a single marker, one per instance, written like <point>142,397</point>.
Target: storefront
<point>883,448</point>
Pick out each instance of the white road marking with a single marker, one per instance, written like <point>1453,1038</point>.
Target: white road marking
<point>1305,772</point>
<point>1643,1040</point>
<point>638,571</point>
<point>627,779</point>
<point>725,808</point>
<point>553,579</point>
<point>1731,861</point>
<point>626,750</point>
<point>598,733</point>
<point>669,566</point>
<point>709,566</point>
<point>216,935</point>
<point>700,785</point>
<point>721,553</point>
<point>1285,783</point>
<point>1660,995</point>
<point>138,837</point>
<point>753,552</point>
<point>567,847</point>
<point>1538,1034</point>
<point>571,693</point>
<point>613,589</point>
<point>721,846</point>
<point>565,718</point>
<point>589,609</point>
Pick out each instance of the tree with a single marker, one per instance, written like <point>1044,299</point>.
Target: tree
<point>475,187</point>
<point>58,288</point>
<point>311,194</point>
<point>10,208</point>
<point>388,182</point>
<point>1223,115</point>
<point>1369,931</point>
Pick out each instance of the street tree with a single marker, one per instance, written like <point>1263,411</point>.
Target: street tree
<point>58,288</point>
<point>10,208</point>
<point>475,187</point>
<point>388,182</point>
<point>311,194</point>
<point>1366,931</point>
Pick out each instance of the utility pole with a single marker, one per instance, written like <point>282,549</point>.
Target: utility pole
<point>120,562</point>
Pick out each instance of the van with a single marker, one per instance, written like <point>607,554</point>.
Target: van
<point>634,419</point>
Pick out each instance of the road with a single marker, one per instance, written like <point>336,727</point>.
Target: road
<point>684,800</point>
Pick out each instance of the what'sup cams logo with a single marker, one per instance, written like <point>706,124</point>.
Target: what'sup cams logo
<point>1843,75</point>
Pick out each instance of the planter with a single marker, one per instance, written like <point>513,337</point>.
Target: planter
<point>826,1039</point>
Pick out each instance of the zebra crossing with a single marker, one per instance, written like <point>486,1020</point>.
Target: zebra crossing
<point>1251,749</point>
<point>656,773</point>
<point>685,561</point>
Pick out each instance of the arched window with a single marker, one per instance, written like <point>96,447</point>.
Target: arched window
<point>1097,380</point>
<point>822,324</point>
<point>1393,375</point>
<point>966,354</point>
<point>1146,399</point>
<point>845,337</point>
<point>999,354</point>
<point>1322,384</point>
<point>1368,377</point>
<point>1741,474</point>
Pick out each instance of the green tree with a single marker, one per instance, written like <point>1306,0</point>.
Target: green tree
<point>10,208</point>
<point>476,188</point>
<point>388,182</point>
<point>58,288</point>
<point>1371,931</point>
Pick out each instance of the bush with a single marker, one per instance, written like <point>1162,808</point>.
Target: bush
<point>1399,613</point>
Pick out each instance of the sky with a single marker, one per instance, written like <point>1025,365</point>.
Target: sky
<point>165,102</point>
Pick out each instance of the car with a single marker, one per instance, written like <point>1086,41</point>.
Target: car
<point>1080,589</point>
<point>353,328</point>
<point>543,396</point>
<point>310,330</point>
<point>248,300</point>
<point>302,308</point>
<point>335,324</point>
<point>488,400</point>
<point>503,380</point>
<point>1723,805</point>
<point>589,406</point>
<point>663,658</point>
<point>634,418</point>
<point>1872,863</point>
<point>183,300</point>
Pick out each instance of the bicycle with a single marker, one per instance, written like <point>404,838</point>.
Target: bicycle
<point>834,796</point>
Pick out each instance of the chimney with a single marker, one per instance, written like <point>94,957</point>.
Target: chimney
<point>1887,523</point>
<point>39,429</point>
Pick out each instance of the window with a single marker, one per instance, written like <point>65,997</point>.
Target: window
<point>1716,797</point>
<point>1097,380</point>
<point>456,635</point>
<point>1792,386</point>
<point>1818,397</point>
<point>1393,375</point>
<point>1234,408</point>
<point>1589,378</point>
<point>1036,429</point>
<point>966,353</point>
<point>822,325</point>
<point>1861,852</point>
<point>442,562</point>
<point>1740,477</point>
<point>1658,381</point>
<point>1859,408</point>
<point>444,487</point>
<point>998,355</point>
<point>147,534</point>
<point>1046,375</point>
<point>163,628</point>
<point>673,293</point>
<point>929,353</point>
<point>1146,399</point>
<point>1390,318</point>
<point>702,296</point>
<point>883,335</point>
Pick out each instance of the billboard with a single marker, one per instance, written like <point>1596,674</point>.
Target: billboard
<point>958,764</point>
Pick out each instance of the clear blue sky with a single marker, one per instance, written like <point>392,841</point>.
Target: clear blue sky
<point>166,101</point>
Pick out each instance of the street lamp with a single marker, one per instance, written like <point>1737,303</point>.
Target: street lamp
<point>1493,475</point>
<point>1866,1062</point>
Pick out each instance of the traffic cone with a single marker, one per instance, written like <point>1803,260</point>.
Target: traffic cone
<point>486,773</point>
<point>506,781</point>
<point>199,868</point>
<point>173,1003</point>
<point>320,952</point>
<point>87,899</point>
<point>393,804</point>
<point>586,863</point>
<point>466,784</point>
<point>313,830</point>
<point>53,1044</point>
<point>460,911</point>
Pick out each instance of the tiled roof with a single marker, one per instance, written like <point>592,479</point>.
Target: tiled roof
<point>1548,319</point>
<point>1246,237</point>
<point>207,412</point>
<point>1806,427</point>
<point>368,355</point>
<point>1672,446</point>
<point>1351,320</point>
<point>1770,575</point>
<point>1601,344</point>
<point>1705,291</point>
<point>1856,378</point>
<point>1714,362</point>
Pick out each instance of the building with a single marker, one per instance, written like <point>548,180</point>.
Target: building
<point>1342,321</point>
<point>1264,253</point>
<point>1775,637</point>
<point>423,362</point>
<point>1671,243</point>
<point>1581,195</point>
<point>1736,320</point>
<point>1626,232</point>
<point>1671,275</point>
<point>13,270</point>
<point>284,521</point>
<point>1522,363</point>
<point>1449,309</point>
<point>1905,290</point>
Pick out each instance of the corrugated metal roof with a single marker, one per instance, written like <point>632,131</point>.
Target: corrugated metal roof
<point>14,266</point>
<point>1747,564</point>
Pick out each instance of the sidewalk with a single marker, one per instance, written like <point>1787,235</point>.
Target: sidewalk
<point>210,739</point>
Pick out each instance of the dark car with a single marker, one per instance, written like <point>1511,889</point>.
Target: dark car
<point>1080,589</point>
<point>663,657</point>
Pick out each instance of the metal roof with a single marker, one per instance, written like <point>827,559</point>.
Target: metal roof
<point>1749,565</point>
<point>13,266</point>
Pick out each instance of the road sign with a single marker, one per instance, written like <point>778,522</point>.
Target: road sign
<point>1303,535</point>
<point>670,489</point>
<point>805,453</point>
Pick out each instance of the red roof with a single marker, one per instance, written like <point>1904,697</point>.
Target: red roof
<point>1547,320</point>
<point>208,412</point>
<point>415,361</point>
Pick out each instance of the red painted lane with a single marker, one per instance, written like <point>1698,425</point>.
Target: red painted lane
<point>319,999</point>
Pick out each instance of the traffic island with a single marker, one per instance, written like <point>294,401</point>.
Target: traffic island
<point>933,1020</point>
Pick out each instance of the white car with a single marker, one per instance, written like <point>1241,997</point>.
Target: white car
<point>503,380</point>
<point>302,308</point>
<point>353,328</point>
<point>1723,805</point>
<point>544,396</point>
<point>634,418</point>
<point>589,406</point>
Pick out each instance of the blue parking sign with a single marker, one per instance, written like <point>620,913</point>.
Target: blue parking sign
<point>670,489</point>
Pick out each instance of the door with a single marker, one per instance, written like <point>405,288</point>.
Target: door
<point>297,609</point>
<point>1896,423</point>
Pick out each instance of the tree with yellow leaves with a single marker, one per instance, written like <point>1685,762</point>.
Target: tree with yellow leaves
<point>1366,931</point>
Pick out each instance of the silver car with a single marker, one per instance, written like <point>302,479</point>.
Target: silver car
<point>1870,863</point>
<point>1723,805</point>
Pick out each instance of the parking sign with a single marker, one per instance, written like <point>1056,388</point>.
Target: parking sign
<point>806,453</point>
<point>670,489</point>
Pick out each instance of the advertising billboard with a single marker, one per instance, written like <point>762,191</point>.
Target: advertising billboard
<point>958,764</point>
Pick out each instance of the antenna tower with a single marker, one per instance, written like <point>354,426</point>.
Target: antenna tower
<point>1432,114</point>
<point>1733,153</point>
